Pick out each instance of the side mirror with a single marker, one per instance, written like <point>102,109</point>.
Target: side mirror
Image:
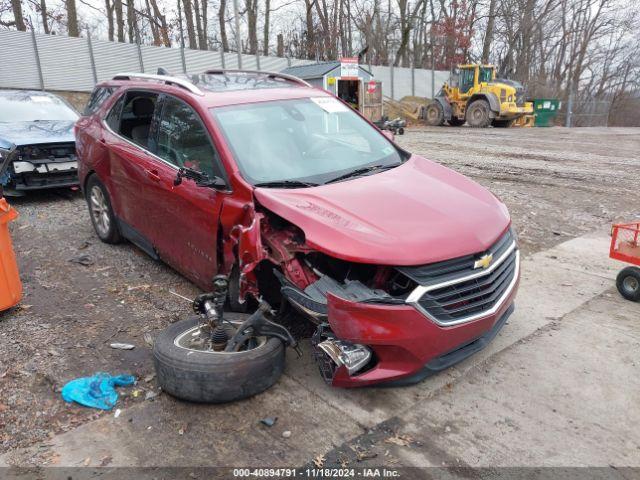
<point>201,179</point>
<point>389,134</point>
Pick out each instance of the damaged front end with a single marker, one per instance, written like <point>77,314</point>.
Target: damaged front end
<point>277,265</point>
<point>42,166</point>
<point>380,323</point>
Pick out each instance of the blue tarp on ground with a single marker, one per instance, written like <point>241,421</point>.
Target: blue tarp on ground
<point>97,391</point>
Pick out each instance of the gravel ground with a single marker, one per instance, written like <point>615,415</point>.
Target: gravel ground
<point>81,295</point>
<point>558,183</point>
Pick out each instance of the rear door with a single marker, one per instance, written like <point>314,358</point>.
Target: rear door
<point>185,236</point>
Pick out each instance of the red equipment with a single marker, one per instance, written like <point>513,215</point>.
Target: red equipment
<point>625,247</point>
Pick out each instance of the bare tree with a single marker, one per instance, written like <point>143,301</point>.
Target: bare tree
<point>222,23</point>
<point>16,6</point>
<point>72,18</point>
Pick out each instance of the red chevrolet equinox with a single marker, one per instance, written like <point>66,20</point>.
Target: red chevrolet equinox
<point>406,267</point>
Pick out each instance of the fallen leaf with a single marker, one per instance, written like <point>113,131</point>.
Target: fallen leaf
<point>319,461</point>
<point>401,440</point>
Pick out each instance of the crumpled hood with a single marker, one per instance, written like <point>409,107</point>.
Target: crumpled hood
<point>417,213</point>
<point>31,133</point>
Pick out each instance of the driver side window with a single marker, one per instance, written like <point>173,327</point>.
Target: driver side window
<point>183,140</point>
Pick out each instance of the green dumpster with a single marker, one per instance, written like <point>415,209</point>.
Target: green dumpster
<point>546,110</point>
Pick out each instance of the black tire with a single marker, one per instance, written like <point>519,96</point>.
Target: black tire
<point>478,114</point>
<point>628,283</point>
<point>503,123</point>
<point>456,122</point>
<point>401,131</point>
<point>434,115</point>
<point>214,377</point>
<point>109,234</point>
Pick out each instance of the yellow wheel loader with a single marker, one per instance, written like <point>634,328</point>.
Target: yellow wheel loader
<point>474,95</point>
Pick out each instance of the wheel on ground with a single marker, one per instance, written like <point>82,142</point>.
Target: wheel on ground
<point>503,123</point>
<point>434,114</point>
<point>401,131</point>
<point>101,212</point>
<point>456,122</point>
<point>479,114</point>
<point>187,368</point>
<point>628,283</point>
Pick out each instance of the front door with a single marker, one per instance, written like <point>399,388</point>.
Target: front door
<point>186,235</point>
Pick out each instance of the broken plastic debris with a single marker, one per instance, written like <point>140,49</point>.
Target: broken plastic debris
<point>269,421</point>
<point>122,346</point>
<point>84,260</point>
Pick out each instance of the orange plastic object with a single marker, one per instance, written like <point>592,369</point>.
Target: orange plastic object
<point>625,243</point>
<point>10,285</point>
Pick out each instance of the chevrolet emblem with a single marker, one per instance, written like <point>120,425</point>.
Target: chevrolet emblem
<point>484,261</point>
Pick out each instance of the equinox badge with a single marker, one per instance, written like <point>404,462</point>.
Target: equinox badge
<point>484,261</point>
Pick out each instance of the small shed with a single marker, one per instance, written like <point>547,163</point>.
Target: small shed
<point>347,80</point>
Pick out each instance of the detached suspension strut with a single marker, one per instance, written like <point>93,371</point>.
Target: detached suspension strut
<point>211,306</point>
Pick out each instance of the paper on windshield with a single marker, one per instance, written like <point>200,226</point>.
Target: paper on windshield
<point>330,104</point>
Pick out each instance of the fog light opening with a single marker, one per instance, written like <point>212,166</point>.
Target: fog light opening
<point>352,355</point>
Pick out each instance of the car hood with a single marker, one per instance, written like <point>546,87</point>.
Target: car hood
<point>414,214</point>
<point>32,133</point>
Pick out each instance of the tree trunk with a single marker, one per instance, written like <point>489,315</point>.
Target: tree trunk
<point>155,31</point>
<point>110,25</point>
<point>159,18</point>
<point>119,19</point>
<point>72,18</point>
<point>44,15</point>
<point>222,22</point>
<point>488,36</point>
<point>280,48</point>
<point>252,24</point>
<point>265,37</point>
<point>131,22</point>
<point>204,41</point>
<point>197,12</point>
<point>16,5</point>
<point>311,40</point>
<point>191,32</point>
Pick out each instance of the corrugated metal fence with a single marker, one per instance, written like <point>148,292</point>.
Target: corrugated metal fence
<point>52,62</point>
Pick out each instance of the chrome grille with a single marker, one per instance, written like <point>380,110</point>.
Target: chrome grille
<point>467,294</point>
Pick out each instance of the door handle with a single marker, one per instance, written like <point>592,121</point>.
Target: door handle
<point>153,175</point>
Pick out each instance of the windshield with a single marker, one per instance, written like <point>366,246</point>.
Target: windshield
<point>31,107</point>
<point>312,140</point>
<point>486,75</point>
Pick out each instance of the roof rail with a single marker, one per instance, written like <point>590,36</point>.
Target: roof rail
<point>283,76</point>
<point>169,80</point>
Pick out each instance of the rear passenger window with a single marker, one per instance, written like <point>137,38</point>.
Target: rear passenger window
<point>136,116</point>
<point>97,98</point>
<point>183,140</point>
<point>113,117</point>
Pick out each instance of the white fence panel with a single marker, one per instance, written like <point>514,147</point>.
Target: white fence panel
<point>273,64</point>
<point>113,58</point>
<point>65,61</point>
<point>382,74</point>
<point>18,67</point>
<point>200,60</point>
<point>66,64</point>
<point>401,82</point>
<point>156,57</point>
